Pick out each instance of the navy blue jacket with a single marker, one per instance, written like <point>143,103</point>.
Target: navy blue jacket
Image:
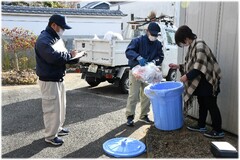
<point>142,46</point>
<point>51,64</point>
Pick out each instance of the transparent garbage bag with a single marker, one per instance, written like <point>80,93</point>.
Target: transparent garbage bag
<point>149,73</point>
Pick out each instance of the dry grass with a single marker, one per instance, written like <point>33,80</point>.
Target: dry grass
<point>14,77</point>
<point>182,143</point>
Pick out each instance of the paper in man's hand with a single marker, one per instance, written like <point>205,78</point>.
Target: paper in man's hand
<point>79,55</point>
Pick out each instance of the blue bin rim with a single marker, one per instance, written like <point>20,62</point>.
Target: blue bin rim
<point>181,85</point>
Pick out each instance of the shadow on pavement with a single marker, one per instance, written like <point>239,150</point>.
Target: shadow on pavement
<point>23,116</point>
<point>29,150</point>
<point>95,149</point>
<point>106,90</point>
<point>27,116</point>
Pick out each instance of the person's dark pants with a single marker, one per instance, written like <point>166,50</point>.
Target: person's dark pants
<point>209,103</point>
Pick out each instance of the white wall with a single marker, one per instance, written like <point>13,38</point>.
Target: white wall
<point>80,25</point>
<point>91,25</point>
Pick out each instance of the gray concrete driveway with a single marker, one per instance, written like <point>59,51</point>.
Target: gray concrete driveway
<point>94,115</point>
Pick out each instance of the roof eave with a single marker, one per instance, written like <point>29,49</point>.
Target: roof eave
<point>48,15</point>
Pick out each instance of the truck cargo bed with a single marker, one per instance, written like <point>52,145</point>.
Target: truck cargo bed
<point>103,52</point>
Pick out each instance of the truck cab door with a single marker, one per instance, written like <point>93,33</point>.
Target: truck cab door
<point>170,51</point>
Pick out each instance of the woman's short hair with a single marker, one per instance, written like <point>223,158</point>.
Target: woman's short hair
<point>182,33</point>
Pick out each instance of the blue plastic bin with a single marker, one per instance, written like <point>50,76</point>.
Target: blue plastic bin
<point>166,99</point>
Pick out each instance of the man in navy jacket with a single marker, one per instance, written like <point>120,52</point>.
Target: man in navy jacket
<point>140,51</point>
<point>51,59</point>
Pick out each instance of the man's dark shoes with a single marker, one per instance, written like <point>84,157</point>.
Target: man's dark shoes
<point>63,132</point>
<point>56,141</point>
<point>145,119</point>
<point>214,134</point>
<point>197,128</point>
<point>130,120</point>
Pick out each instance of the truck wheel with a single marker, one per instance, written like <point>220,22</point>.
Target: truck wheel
<point>172,75</point>
<point>92,81</point>
<point>124,83</point>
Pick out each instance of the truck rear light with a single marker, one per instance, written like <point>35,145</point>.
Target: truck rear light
<point>78,70</point>
<point>109,76</point>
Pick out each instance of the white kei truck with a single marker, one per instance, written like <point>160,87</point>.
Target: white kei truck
<point>105,60</point>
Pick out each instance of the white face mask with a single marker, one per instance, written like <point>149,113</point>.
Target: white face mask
<point>183,45</point>
<point>152,38</point>
<point>60,33</point>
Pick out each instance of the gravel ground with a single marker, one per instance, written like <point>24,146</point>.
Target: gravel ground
<point>182,143</point>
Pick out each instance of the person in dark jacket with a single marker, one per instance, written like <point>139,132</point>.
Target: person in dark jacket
<point>201,76</point>
<point>51,59</point>
<point>140,51</point>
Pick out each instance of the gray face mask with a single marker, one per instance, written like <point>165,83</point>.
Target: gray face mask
<point>60,33</point>
<point>152,38</point>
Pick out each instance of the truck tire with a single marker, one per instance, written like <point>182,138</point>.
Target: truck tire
<point>124,83</point>
<point>92,81</point>
<point>172,75</point>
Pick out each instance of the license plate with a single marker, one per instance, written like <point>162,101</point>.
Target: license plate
<point>92,68</point>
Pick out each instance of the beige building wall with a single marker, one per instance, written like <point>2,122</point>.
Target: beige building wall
<point>217,24</point>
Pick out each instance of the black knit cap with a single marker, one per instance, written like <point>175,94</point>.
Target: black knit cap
<point>154,29</point>
<point>59,20</point>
